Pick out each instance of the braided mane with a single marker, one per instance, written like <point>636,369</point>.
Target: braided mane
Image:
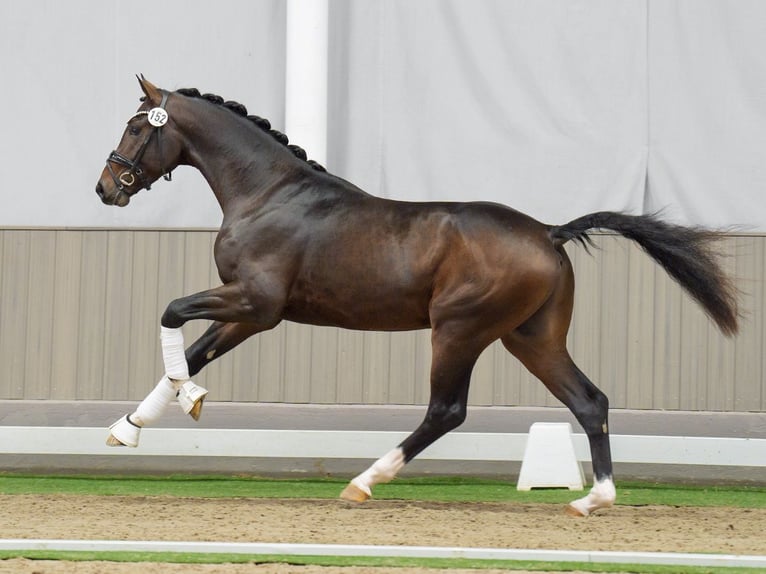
<point>262,123</point>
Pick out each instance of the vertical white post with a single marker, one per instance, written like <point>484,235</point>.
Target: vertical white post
<point>306,76</point>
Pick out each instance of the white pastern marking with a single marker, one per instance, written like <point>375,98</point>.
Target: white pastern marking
<point>602,495</point>
<point>383,470</point>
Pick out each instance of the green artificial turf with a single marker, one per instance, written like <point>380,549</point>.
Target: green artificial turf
<point>449,489</point>
<point>365,561</point>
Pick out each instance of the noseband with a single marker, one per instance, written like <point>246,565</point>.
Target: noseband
<point>127,179</point>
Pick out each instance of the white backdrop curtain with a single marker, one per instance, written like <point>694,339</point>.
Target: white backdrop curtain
<point>557,108</point>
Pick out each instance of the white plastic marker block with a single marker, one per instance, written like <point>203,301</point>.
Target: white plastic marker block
<point>549,459</point>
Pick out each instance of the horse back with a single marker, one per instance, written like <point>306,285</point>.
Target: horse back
<point>390,265</point>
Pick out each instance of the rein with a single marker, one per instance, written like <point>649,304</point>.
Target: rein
<point>125,181</point>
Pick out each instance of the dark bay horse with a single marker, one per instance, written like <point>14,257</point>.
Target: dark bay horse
<point>300,244</point>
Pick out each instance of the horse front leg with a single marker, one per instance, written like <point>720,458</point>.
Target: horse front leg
<point>176,383</point>
<point>450,378</point>
<point>219,338</point>
<point>220,304</point>
<point>126,431</point>
<point>190,395</point>
<point>225,304</point>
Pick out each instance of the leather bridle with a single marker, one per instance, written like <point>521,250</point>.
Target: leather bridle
<point>126,180</point>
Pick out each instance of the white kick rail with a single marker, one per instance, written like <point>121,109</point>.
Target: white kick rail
<point>467,446</point>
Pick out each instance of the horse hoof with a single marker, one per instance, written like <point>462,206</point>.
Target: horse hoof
<point>574,511</point>
<point>353,493</point>
<point>191,397</point>
<point>123,433</point>
<point>113,441</point>
<point>196,411</point>
<point>602,495</point>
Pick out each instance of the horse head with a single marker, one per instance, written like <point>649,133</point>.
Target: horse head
<point>150,148</point>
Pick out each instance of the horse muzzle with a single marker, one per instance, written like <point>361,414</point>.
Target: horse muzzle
<point>111,195</point>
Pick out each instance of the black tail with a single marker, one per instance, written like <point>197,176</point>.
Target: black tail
<point>686,253</point>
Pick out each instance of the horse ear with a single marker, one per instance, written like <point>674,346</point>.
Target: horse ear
<point>152,92</point>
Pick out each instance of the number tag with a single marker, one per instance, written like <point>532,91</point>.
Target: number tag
<point>158,117</point>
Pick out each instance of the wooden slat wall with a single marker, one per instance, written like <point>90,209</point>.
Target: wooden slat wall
<point>79,319</point>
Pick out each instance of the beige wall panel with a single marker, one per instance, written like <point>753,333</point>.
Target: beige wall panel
<point>39,308</point>
<point>13,318</point>
<point>693,348</point>
<point>244,362</point>
<point>117,312</point>
<point>81,311</point>
<point>144,372</point>
<point>422,366</point>
<point>94,340</point>
<point>756,355</point>
<point>614,326</point>
<point>667,321</point>
<point>271,357</point>
<point>64,322</point>
<point>350,367</point>
<point>639,359</point>
<point>482,387</point>
<point>323,360</point>
<point>376,356</point>
<point>401,370</point>
<point>507,378</point>
<point>749,351</point>
<point>5,270</point>
<point>298,367</point>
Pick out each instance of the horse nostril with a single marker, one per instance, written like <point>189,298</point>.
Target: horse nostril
<point>100,190</point>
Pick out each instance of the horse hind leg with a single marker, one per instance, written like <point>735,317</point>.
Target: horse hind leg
<point>450,377</point>
<point>591,408</point>
<point>441,417</point>
<point>553,366</point>
<point>383,470</point>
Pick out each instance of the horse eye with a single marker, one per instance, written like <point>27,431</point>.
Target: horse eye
<point>134,131</point>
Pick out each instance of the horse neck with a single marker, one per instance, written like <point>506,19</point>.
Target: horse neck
<point>237,159</point>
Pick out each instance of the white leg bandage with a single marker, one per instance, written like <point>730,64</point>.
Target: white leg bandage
<point>176,382</point>
<point>190,395</point>
<point>152,407</point>
<point>384,470</point>
<point>173,355</point>
<point>602,495</point>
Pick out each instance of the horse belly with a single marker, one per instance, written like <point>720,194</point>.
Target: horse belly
<point>359,304</point>
<point>372,270</point>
